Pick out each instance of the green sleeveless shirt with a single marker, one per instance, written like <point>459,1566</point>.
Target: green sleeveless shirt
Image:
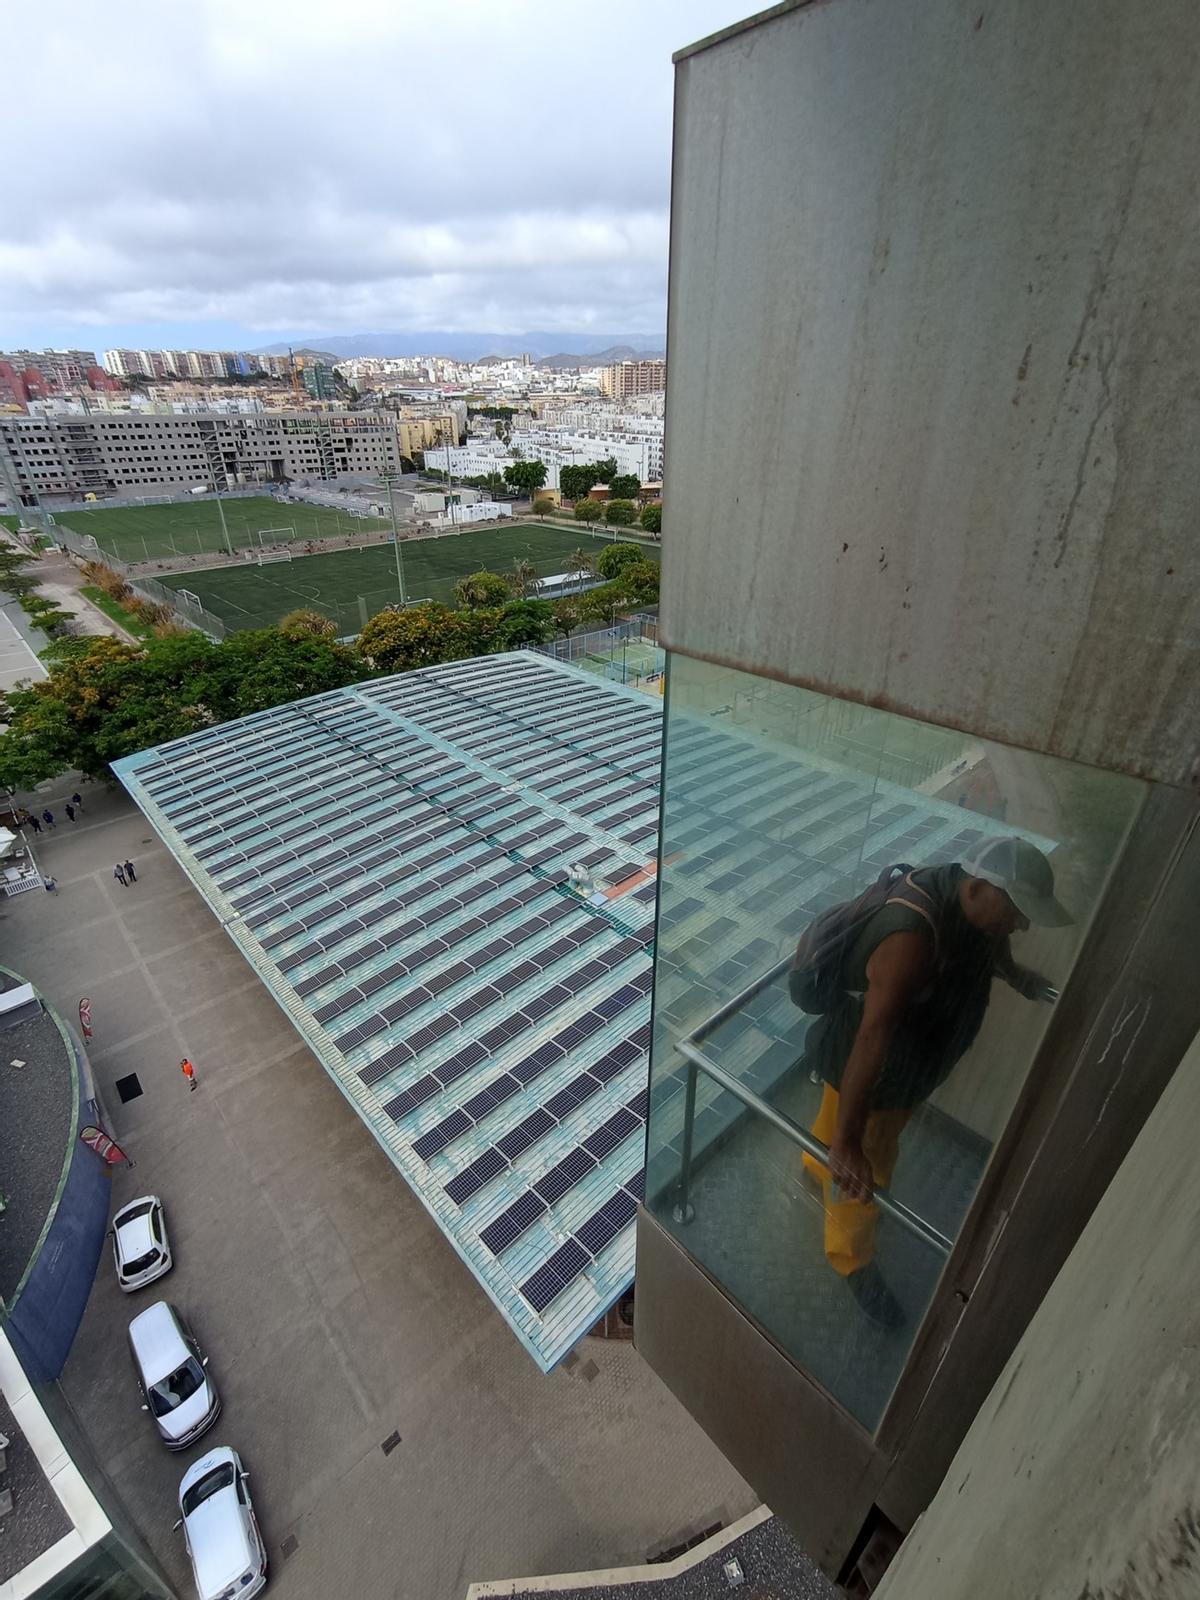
<point>940,1024</point>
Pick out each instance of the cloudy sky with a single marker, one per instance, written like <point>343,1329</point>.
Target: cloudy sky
<point>217,172</point>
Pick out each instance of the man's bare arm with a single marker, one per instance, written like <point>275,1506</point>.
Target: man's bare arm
<point>899,968</point>
<point>1024,980</point>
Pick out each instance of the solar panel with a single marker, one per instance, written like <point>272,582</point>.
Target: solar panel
<point>436,1140</point>
<point>565,1175</point>
<point>607,1223</point>
<point>511,1224</point>
<point>473,1178</point>
<point>549,1281</point>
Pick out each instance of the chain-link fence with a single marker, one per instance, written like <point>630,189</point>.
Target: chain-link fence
<point>187,609</point>
<point>626,653</point>
<point>185,605</point>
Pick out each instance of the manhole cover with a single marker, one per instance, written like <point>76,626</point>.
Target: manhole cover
<point>129,1088</point>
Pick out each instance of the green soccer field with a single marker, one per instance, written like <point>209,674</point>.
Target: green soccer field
<point>351,585</point>
<point>191,527</point>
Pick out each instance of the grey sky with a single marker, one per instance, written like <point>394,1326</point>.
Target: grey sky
<point>249,170</point>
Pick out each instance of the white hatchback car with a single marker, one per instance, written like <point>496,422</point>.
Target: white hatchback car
<point>229,1558</point>
<point>140,1245</point>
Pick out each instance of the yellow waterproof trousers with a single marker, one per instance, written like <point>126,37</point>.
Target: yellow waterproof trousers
<point>850,1224</point>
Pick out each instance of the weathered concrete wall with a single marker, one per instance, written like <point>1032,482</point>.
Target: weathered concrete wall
<point>934,341</point>
<point>1080,1477</point>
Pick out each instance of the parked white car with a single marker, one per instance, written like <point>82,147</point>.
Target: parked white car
<point>171,1369</point>
<point>140,1245</point>
<point>220,1529</point>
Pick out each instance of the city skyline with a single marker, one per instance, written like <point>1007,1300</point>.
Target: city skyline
<point>299,180</point>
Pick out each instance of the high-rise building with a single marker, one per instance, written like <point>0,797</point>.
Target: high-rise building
<point>319,381</point>
<point>626,378</point>
<point>960,646</point>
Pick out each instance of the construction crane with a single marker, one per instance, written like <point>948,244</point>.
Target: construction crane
<point>295,371</point>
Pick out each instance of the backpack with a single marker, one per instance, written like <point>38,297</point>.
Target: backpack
<point>814,979</point>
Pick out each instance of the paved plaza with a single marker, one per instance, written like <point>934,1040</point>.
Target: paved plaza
<point>334,1312</point>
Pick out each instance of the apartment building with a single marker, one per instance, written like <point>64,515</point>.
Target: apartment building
<point>625,378</point>
<point>127,453</point>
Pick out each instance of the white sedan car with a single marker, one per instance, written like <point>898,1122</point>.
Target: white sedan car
<point>229,1558</point>
<point>140,1245</point>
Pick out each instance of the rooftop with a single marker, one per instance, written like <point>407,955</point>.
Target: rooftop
<point>395,860</point>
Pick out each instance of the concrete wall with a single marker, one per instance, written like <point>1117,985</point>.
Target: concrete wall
<point>1080,1476</point>
<point>934,329</point>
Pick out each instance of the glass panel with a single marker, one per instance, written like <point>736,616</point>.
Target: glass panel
<point>924,1011</point>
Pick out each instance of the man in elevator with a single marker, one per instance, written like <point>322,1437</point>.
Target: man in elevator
<point>912,987</point>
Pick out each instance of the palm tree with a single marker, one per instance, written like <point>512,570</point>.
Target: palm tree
<point>582,565</point>
<point>523,577</point>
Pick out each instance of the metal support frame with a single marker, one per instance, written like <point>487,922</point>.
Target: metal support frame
<point>684,1211</point>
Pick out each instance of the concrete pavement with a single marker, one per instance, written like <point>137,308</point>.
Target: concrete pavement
<point>333,1310</point>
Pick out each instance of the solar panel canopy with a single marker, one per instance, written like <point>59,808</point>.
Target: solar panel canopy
<point>400,862</point>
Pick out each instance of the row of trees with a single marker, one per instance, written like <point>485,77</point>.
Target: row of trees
<point>619,514</point>
<point>104,699</point>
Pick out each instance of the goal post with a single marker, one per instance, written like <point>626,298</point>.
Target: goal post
<point>268,536</point>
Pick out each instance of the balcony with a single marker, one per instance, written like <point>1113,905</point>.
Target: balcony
<point>779,804</point>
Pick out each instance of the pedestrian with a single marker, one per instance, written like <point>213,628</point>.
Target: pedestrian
<point>899,990</point>
<point>77,801</point>
<point>50,885</point>
<point>189,1072</point>
<point>70,810</point>
<point>130,873</point>
<point>119,875</point>
<point>48,817</point>
<point>33,823</point>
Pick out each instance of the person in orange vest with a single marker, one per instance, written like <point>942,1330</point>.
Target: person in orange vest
<point>189,1072</point>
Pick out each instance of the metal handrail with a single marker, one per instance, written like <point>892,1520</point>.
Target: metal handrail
<point>698,1062</point>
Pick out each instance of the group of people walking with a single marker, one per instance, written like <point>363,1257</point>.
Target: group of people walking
<point>124,871</point>
<point>26,819</point>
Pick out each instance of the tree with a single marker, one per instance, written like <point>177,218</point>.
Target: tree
<point>105,699</point>
<point>525,476</point>
<point>523,578</point>
<point>522,623</point>
<point>543,505</point>
<point>620,513</point>
<point>568,614</point>
<point>640,580</point>
<point>419,636</point>
<point>588,510</point>
<point>481,589</point>
<point>575,482</point>
<point>614,558</point>
<point>15,578</point>
<point>583,564</point>
<point>651,519</point>
<point>305,622</point>
<point>625,486</point>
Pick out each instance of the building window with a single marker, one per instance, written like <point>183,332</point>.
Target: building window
<point>780,804</point>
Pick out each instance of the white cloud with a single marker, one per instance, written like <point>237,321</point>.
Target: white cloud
<point>383,164</point>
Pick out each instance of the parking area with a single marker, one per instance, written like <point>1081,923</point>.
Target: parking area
<point>335,1314</point>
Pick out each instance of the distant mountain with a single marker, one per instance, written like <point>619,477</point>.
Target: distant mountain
<point>471,346</point>
<point>601,358</point>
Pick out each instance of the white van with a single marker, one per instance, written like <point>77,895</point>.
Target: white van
<point>172,1375</point>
